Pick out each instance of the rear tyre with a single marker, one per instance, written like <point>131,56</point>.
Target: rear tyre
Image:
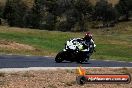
<point>80,62</point>
<point>87,59</point>
<point>59,57</point>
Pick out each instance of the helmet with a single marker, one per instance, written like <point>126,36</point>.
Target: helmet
<point>88,35</point>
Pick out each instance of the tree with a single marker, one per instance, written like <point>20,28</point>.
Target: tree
<point>14,12</point>
<point>85,10</point>
<point>72,17</point>
<point>1,10</point>
<point>51,14</point>
<point>124,7</point>
<point>105,12</point>
<point>42,15</point>
<point>76,12</point>
<point>66,15</point>
<point>1,13</point>
<point>35,14</point>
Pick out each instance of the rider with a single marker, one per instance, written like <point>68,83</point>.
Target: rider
<point>86,43</point>
<point>89,42</point>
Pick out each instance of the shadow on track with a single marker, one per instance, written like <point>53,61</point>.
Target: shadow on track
<point>74,62</point>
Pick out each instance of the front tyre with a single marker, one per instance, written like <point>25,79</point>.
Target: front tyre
<point>59,57</point>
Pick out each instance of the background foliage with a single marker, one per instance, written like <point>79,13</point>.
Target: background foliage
<point>65,15</point>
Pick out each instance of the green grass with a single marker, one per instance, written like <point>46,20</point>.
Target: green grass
<point>47,42</point>
<point>112,43</point>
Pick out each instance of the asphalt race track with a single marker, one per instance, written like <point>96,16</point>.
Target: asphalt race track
<point>16,61</point>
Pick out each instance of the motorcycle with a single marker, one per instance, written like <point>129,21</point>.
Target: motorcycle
<point>74,51</point>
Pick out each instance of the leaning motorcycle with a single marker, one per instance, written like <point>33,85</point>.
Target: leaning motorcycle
<point>74,51</point>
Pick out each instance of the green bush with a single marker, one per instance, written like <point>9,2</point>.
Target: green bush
<point>14,12</point>
<point>124,7</point>
<point>105,12</point>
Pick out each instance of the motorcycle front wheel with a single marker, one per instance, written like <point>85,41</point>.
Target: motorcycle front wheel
<point>59,57</point>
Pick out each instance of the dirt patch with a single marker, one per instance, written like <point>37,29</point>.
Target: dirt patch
<point>14,45</point>
<point>58,79</point>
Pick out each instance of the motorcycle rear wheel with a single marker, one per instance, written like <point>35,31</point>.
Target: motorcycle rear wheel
<point>79,61</point>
